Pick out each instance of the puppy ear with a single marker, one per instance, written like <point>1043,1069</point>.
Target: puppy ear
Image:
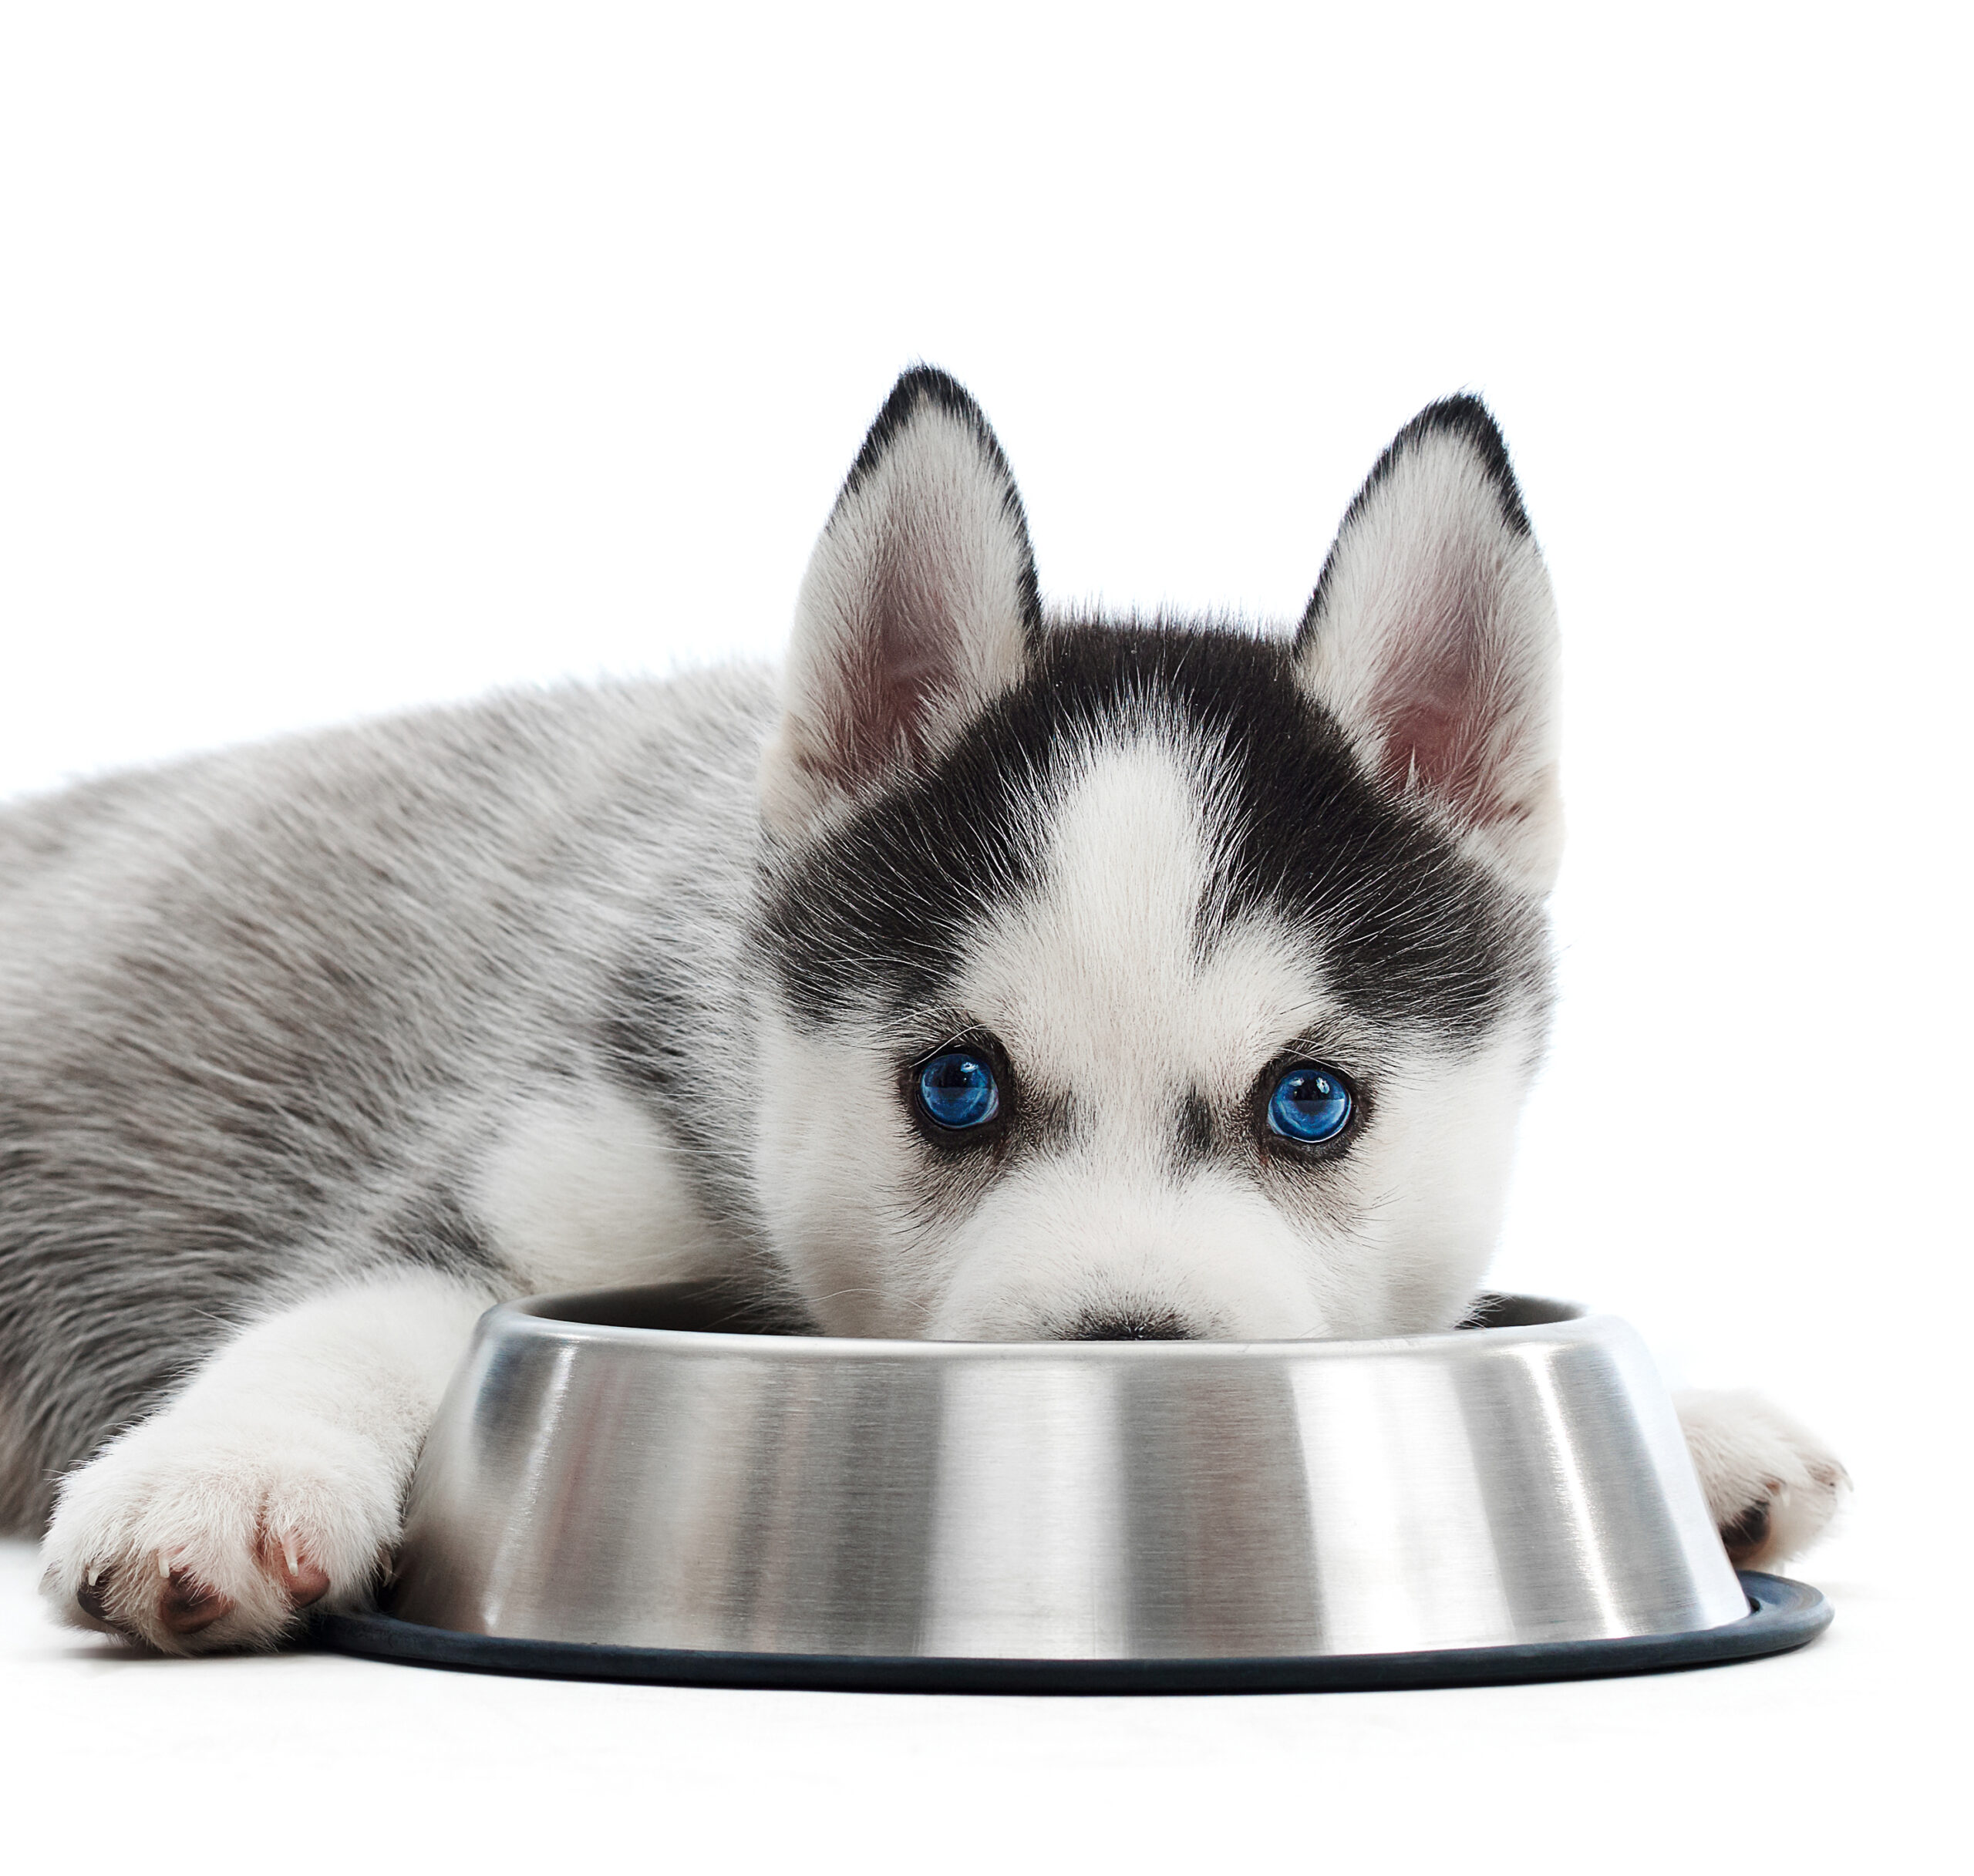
<point>919,608</point>
<point>1431,638</point>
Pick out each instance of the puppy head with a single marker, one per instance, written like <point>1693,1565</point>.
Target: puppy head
<point>1133,979</point>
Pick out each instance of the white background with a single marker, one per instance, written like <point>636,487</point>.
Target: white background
<point>354,357</point>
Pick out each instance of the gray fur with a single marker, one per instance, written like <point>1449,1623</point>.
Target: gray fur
<point>259,1010</point>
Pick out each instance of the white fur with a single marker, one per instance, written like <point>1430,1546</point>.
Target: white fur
<point>1748,1453</point>
<point>284,1458</point>
<point>831,1178</point>
<point>583,1189</point>
<point>1434,1170</point>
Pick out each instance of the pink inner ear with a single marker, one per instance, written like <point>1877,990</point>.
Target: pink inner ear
<point>1437,708</point>
<point>905,673</point>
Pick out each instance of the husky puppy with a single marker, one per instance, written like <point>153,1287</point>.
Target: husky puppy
<point>982,975</point>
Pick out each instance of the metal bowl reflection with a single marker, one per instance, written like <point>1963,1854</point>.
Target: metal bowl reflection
<point>607,1469</point>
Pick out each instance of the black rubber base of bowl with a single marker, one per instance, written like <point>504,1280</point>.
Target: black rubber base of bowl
<point>1782,1615</point>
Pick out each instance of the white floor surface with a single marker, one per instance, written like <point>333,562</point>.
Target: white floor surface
<point>1844,1756</point>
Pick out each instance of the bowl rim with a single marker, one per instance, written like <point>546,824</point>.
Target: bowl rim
<point>566,1316</point>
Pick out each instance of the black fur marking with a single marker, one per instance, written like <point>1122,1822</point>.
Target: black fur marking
<point>1468,419</point>
<point>1129,1322</point>
<point>926,384</point>
<point>876,917</point>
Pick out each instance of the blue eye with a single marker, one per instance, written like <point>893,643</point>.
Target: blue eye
<point>1310,1103</point>
<point>958,1090</point>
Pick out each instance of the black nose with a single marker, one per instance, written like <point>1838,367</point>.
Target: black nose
<point>1129,1323</point>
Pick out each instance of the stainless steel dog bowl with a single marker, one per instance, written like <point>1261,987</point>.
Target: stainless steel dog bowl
<point>613,1486</point>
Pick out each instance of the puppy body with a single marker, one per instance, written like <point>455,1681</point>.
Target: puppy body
<point>309,1052</point>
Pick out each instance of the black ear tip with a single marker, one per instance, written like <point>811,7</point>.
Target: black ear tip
<point>1464,418</point>
<point>916,387</point>
<point>926,384</point>
<point>928,380</point>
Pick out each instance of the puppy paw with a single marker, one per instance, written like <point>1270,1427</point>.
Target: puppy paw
<point>191,1537</point>
<point>1772,1487</point>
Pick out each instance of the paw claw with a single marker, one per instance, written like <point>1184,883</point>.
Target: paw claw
<point>300,1579</point>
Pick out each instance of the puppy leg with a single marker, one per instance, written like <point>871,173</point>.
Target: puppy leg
<point>1771,1486</point>
<point>272,1481</point>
